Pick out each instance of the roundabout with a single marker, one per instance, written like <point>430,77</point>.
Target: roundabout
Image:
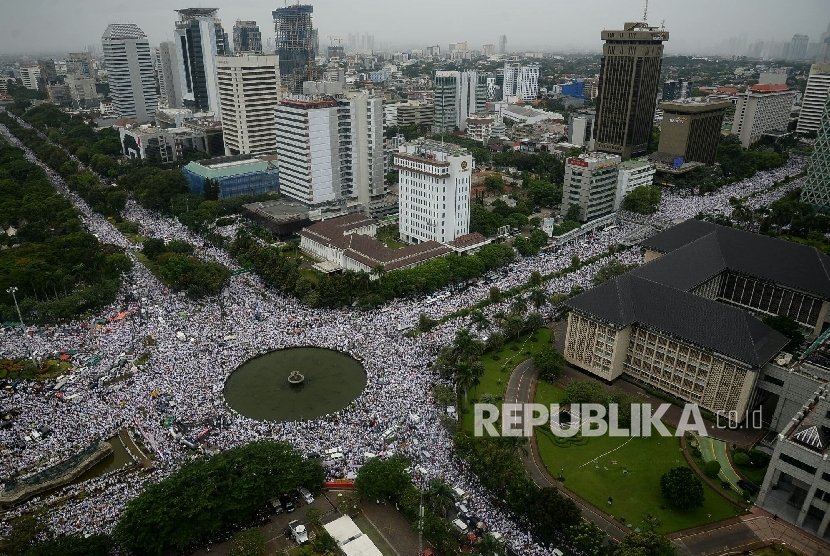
<point>294,384</point>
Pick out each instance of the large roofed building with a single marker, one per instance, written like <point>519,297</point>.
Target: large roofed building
<point>235,175</point>
<point>686,321</point>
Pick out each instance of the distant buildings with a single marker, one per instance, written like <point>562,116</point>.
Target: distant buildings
<point>434,191</point>
<point>409,113</point>
<point>581,129</point>
<point>628,84</point>
<point>295,45</point>
<point>761,109</point>
<point>815,95</point>
<point>80,64</point>
<point>249,87</point>
<point>170,75</point>
<point>331,150</point>
<point>246,37</point>
<point>82,90</point>
<point>817,184</point>
<point>692,130</point>
<point>234,175</point>
<point>489,49</point>
<point>479,128</point>
<point>521,83</point>
<point>502,45</point>
<point>200,38</point>
<point>591,184</point>
<point>456,96</point>
<point>798,47</point>
<point>574,89</point>
<point>130,71</point>
<point>30,75</point>
<point>677,89</point>
<point>632,174</point>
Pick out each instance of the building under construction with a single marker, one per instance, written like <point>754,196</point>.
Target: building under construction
<point>295,45</point>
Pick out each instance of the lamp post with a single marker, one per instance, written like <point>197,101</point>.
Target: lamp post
<point>12,291</point>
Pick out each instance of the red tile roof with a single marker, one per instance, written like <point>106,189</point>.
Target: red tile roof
<point>769,88</point>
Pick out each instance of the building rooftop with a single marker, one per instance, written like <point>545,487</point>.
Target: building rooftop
<point>120,31</point>
<point>225,166</point>
<point>769,88</point>
<point>633,164</point>
<point>693,107</point>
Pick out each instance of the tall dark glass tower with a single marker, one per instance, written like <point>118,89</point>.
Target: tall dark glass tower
<point>295,45</point>
<point>628,83</point>
<point>200,38</point>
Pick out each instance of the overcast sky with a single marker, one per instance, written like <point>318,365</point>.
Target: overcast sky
<point>69,25</point>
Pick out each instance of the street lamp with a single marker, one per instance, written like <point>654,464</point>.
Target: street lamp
<point>12,291</point>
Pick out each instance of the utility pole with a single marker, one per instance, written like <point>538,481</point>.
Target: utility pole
<point>12,290</point>
<point>421,521</point>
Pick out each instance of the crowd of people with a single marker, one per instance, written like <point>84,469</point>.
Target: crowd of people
<point>194,346</point>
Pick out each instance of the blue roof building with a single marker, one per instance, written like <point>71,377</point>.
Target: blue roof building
<point>243,174</point>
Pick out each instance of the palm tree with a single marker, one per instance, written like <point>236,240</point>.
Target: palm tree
<point>495,341</point>
<point>379,271</point>
<point>445,362</point>
<point>513,326</point>
<point>439,497</point>
<point>534,322</point>
<point>468,375</point>
<point>488,545</point>
<point>466,347</point>
<point>479,320</point>
<point>519,305</point>
<point>538,298</point>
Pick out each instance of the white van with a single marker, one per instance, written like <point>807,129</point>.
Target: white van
<point>459,526</point>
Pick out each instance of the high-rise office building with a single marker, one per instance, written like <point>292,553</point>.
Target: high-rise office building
<point>798,47</point>
<point>30,75</point>
<point>502,44</point>
<point>521,83</point>
<point>130,71</point>
<point>760,109</point>
<point>200,38</point>
<point>457,95</point>
<point>295,45</point>
<point>249,87</point>
<point>246,37</point>
<point>677,89</point>
<point>331,150</point>
<point>48,73</point>
<point>169,69</point>
<point>581,130</point>
<point>628,83</point>
<point>591,184</point>
<point>812,104</point>
<point>692,130</point>
<point>434,191</point>
<point>817,182</point>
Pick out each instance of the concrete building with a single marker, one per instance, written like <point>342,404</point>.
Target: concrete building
<point>581,129</point>
<point>200,38</point>
<point>815,96</point>
<point>80,64</point>
<point>633,174</point>
<point>409,113</point>
<point>82,90</point>
<point>521,82</point>
<point>489,50</point>
<point>435,180</point>
<point>30,75</point>
<point>591,90</point>
<point>798,47</point>
<point>168,68</point>
<point>628,83</point>
<point>59,95</point>
<point>48,72</point>
<point>249,86</point>
<point>502,45</point>
<point>246,37</point>
<point>677,89</point>
<point>295,45</point>
<point>348,243</point>
<point>692,130</point>
<point>817,184</point>
<point>235,175</point>
<point>331,150</point>
<point>456,96</point>
<point>479,128</point>
<point>761,109</point>
<point>157,144</point>
<point>130,71</point>
<point>591,183</point>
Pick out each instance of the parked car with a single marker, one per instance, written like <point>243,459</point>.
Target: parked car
<point>286,503</point>
<point>307,496</point>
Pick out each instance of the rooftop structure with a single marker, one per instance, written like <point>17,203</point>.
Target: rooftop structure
<point>692,130</point>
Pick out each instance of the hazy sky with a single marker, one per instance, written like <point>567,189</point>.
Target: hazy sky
<point>69,25</point>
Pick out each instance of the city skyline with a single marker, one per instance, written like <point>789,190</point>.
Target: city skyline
<point>41,27</point>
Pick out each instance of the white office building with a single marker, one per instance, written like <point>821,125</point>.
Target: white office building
<point>761,109</point>
<point>457,96</point>
<point>331,150</point>
<point>130,71</point>
<point>30,76</point>
<point>591,184</point>
<point>815,95</point>
<point>521,83</point>
<point>633,174</point>
<point>434,191</point>
<point>200,39</point>
<point>168,70</point>
<point>249,87</point>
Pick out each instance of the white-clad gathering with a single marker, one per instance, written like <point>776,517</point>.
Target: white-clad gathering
<point>191,357</point>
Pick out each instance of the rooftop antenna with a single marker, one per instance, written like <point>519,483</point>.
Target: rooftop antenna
<point>645,13</point>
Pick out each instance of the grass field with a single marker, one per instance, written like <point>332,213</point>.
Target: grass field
<point>387,235</point>
<point>593,469</point>
<point>370,531</point>
<point>497,372</point>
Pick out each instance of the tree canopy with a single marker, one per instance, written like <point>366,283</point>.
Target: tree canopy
<point>682,488</point>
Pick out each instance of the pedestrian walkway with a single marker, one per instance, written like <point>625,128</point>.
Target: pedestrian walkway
<point>769,529</point>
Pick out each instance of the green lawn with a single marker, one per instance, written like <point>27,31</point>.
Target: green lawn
<point>497,372</point>
<point>547,393</point>
<point>635,493</point>
<point>387,235</point>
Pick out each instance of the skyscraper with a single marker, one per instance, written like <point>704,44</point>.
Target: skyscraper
<point>457,95</point>
<point>169,68</point>
<point>521,83</point>
<point>295,45</point>
<point>130,71</point>
<point>812,105</point>
<point>249,87</point>
<point>200,38</point>
<point>628,83</point>
<point>502,44</point>
<point>246,37</point>
<point>760,109</point>
<point>817,183</point>
<point>798,47</point>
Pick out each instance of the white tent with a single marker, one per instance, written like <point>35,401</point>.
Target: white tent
<point>350,538</point>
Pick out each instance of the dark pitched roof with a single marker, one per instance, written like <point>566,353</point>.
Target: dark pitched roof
<point>697,243</point>
<point>631,299</point>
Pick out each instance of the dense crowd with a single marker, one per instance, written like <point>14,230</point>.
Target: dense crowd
<point>194,346</point>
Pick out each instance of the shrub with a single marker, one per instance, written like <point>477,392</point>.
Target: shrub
<point>741,459</point>
<point>712,468</point>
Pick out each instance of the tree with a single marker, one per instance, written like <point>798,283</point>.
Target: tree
<point>587,538</point>
<point>550,363</point>
<point>789,328</point>
<point>682,488</point>
<point>495,294</point>
<point>553,514</point>
<point>211,189</point>
<point>712,468</point>
<point>479,320</point>
<point>439,497</point>
<point>465,347</point>
<point>643,200</point>
<point>383,479</point>
<point>534,321</point>
<point>443,395</point>
<point>609,270</point>
<point>574,213</point>
<point>468,375</point>
<point>488,545</point>
<point>250,542</point>
<point>513,326</point>
<point>645,543</point>
<point>519,305</point>
<point>495,341</point>
<point>494,184</point>
<point>535,278</point>
<point>538,297</point>
<point>425,323</point>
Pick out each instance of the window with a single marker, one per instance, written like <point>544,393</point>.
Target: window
<point>798,463</point>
